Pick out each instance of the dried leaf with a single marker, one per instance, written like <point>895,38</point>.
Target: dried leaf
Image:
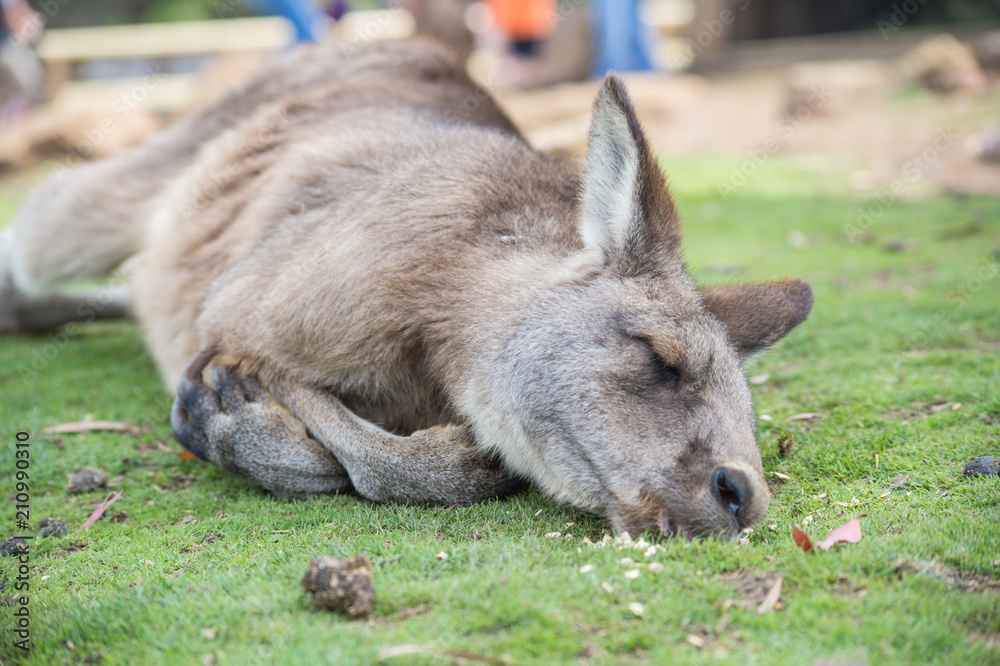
<point>805,416</point>
<point>769,602</point>
<point>899,482</point>
<point>849,532</point>
<point>90,426</point>
<point>407,650</point>
<point>802,539</point>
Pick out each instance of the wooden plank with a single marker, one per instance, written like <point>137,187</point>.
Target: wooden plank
<point>153,40</point>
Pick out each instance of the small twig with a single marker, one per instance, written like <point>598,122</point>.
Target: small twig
<point>91,426</point>
<point>99,511</point>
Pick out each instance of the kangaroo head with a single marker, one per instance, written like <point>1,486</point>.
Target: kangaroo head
<point>632,399</point>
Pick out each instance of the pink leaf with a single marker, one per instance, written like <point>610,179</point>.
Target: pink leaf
<point>849,532</point>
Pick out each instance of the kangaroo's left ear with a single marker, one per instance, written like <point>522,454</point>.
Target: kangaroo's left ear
<point>759,314</point>
<point>628,215</point>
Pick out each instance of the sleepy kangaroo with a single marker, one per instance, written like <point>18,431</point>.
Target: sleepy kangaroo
<point>400,296</point>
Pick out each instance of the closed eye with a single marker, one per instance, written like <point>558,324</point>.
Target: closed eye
<point>666,373</point>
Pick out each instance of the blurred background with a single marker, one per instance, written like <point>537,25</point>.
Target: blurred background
<point>890,90</point>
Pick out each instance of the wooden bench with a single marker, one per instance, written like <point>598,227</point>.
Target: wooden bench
<point>62,51</point>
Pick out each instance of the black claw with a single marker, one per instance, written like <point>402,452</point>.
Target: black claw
<point>230,390</point>
<point>198,400</point>
<point>185,432</point>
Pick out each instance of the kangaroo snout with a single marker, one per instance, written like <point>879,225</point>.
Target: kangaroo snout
<point>731,487</point>
<point>742,493</point>
<point>730,498</point>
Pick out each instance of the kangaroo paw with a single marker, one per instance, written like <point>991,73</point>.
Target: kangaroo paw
<point>244,431</point>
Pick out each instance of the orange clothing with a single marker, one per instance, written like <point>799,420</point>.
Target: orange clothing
<point>523,20</point>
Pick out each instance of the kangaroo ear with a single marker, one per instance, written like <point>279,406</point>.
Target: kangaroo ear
<point>628,216</point>
<point>759,314</point>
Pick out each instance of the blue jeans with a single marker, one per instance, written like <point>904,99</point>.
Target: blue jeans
<point>619,42</point>
<point>304,15</point>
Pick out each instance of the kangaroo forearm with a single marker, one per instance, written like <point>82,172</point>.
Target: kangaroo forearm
<point>440,465</point>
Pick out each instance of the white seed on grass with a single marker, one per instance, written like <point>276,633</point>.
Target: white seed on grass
<point>586,568</point>
<point>637,608</point>
<point>606,586</point>
<point>554,535</point>
<point>626,561</point>
<point>696,641</point>
<point>655,567</point>
<point>442,555</point>
<point>632,574</point>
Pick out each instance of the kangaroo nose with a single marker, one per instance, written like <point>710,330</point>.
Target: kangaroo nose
<point>731,488</point>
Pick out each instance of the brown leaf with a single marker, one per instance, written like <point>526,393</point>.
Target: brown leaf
<point>91,426</point>
<point>802,539</point>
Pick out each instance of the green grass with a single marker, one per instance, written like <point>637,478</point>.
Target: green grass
<point>889,331</point>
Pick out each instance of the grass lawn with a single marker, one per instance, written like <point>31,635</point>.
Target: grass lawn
<point>194,566</point>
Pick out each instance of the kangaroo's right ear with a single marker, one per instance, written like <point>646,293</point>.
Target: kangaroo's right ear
<point>628,215</point>
<point>758,314</point>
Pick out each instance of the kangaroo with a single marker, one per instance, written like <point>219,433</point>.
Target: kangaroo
<point>397,295</point>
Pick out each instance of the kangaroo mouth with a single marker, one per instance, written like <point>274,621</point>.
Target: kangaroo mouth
<point>661,520</point>
<point>670,529</point>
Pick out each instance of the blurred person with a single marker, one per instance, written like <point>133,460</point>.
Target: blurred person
<point>620,42</point>
<point>22,78</point>
<point>525,23</point>
<point>524,26</point>
<point>337,9</point>
<point>305,15</point>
